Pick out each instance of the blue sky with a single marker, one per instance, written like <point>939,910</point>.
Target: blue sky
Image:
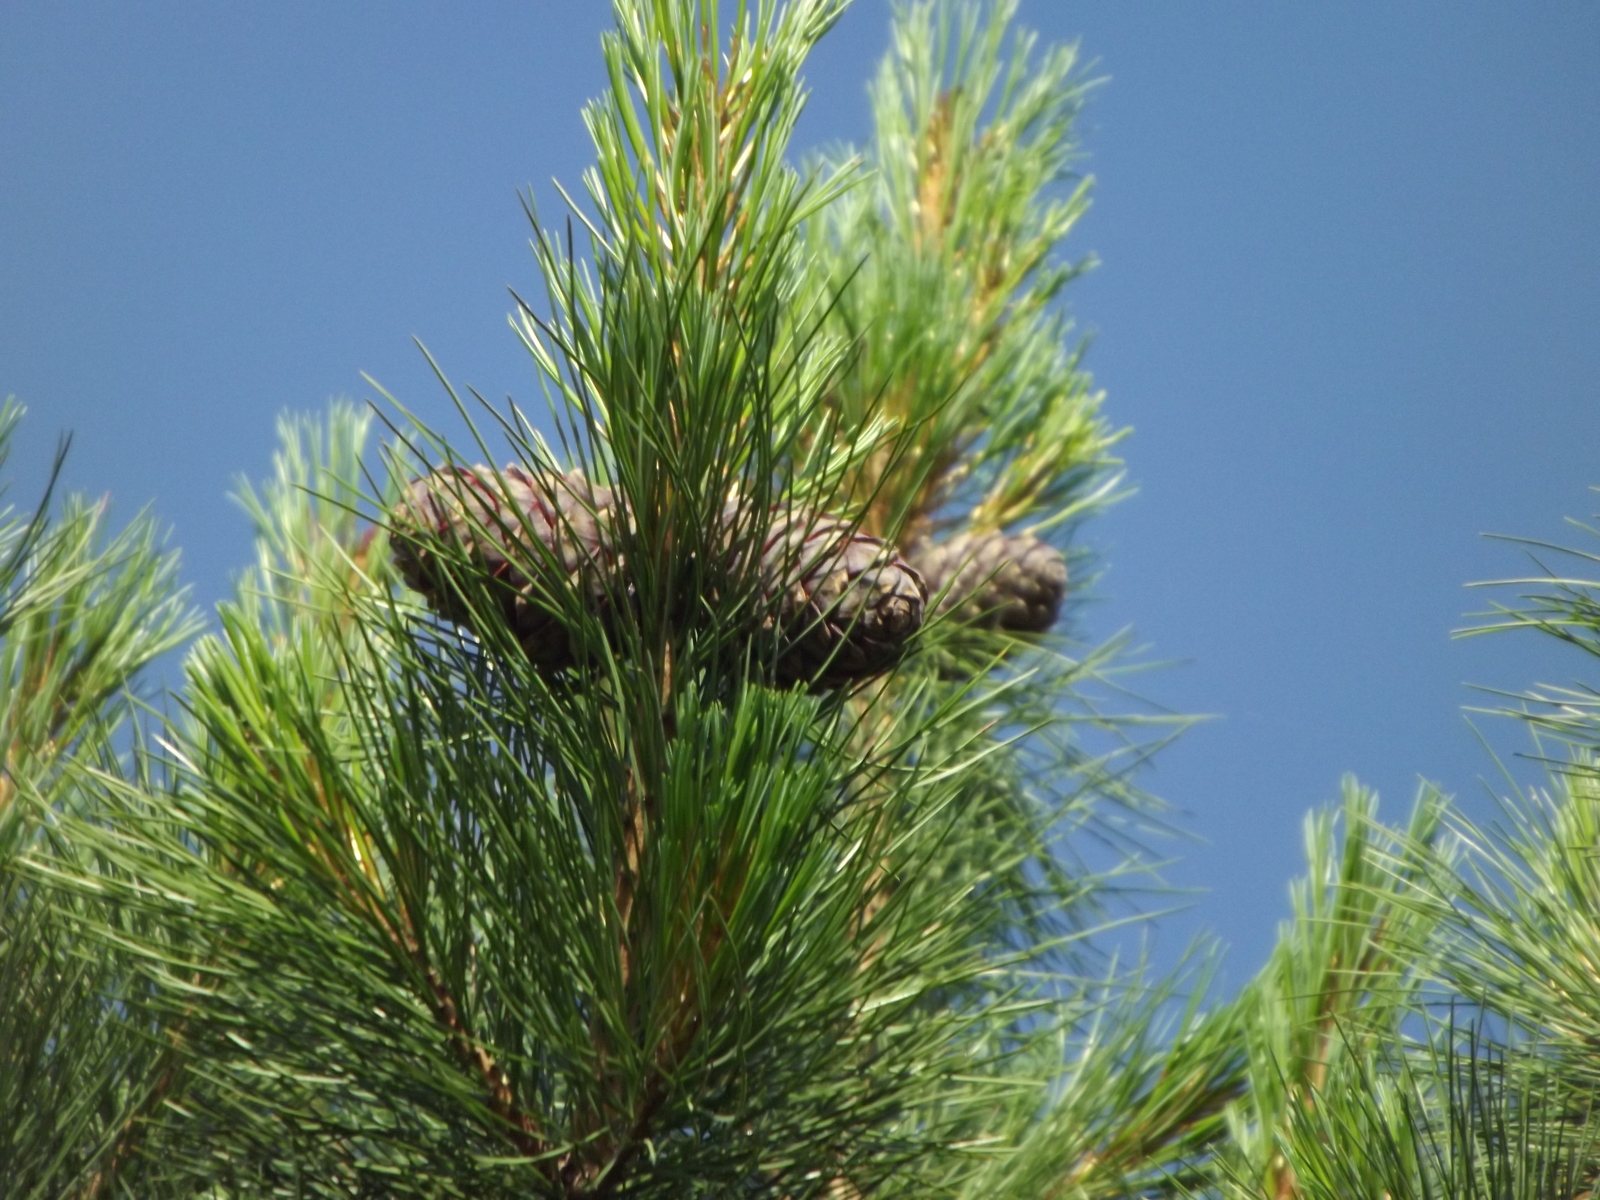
<point>1347,299</point>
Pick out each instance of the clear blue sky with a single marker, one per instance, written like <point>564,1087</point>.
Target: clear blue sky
<point>1349,300</point>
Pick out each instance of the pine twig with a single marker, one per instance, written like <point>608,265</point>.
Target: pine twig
<point>524,1131</point>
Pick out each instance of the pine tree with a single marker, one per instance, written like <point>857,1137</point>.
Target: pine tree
<point>694,803</point>
<point>673,838</point>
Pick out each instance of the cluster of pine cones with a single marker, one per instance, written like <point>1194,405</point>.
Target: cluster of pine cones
<point>845,603</point>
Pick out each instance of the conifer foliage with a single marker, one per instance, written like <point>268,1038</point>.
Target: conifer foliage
<point>613,855</point>
<point>696,805</point>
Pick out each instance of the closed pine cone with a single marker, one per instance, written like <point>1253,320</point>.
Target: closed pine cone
<point>994,580</point>
<point>567,516</point>
<point>847,600</point>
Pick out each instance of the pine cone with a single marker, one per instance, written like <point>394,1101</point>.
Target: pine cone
<point>995,581</point>
<point>845,602</point>
<point>566,515</point>
<point>847,599</point>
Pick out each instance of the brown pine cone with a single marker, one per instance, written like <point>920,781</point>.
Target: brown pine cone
<point>458,504</point>
<point>995,581</point>
<point>847,600</point>
<point>567,516</point>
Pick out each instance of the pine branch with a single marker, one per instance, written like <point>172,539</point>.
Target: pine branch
<point>475,1059</point>
<point>597,848</point>
<point>946,278</point>
<point>1346,973</point>
<point>81,613</point>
